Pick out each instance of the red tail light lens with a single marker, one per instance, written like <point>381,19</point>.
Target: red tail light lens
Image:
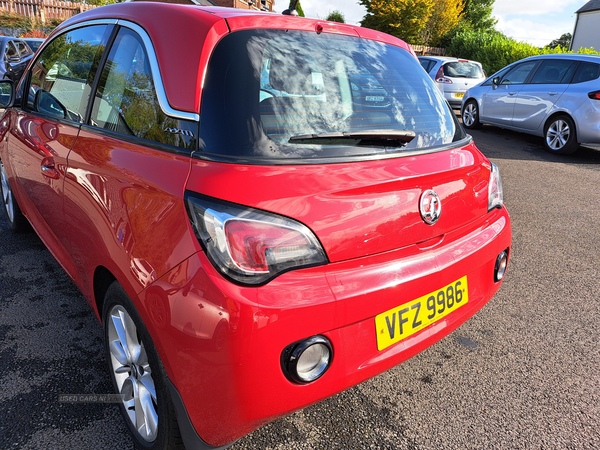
<point>248,245</point>
<point>440,78</point>
<point>594,95</point>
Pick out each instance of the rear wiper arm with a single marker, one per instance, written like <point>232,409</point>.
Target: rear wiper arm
<point>388,138</point>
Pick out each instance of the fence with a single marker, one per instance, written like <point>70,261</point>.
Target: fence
<point>422,50</point>
<point>44,10</point>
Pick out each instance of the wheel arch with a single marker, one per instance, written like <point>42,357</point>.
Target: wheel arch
<point>103,278</point>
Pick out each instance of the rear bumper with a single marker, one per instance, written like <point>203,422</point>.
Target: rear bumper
<point>230,377</point>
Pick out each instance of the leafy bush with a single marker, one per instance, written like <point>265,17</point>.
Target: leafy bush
<point>495,51</point>
<point>35,34</point>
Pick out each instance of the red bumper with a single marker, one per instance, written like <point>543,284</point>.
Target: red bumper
<point>221,343</point>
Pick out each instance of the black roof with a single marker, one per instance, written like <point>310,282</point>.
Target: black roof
<point>592,5</point>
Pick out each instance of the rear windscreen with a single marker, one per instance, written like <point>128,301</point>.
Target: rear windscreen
<point>462,69</point>
<point>265,88</point>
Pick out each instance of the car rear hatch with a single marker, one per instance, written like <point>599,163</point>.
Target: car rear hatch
<point>463,74</point>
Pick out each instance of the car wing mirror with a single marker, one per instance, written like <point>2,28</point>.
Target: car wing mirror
<point>496,81</point>
<point>46,103</point>
<point>7,93</point>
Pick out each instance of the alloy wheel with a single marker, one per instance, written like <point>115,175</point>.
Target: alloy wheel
<point>7,194</point>
<point>132,373</point>
<point>469,114</point>
<point>558,134</point>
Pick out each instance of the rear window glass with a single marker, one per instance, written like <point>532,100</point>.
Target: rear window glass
<point>461,69</point>
<point>264,87</point>
<point>586,72</point>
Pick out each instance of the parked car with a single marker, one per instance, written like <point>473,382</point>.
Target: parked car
<point>453,76</point>
<point>553,96</point>
<point>34,43</point>
<point>17,55</point>
<point>252,244</point>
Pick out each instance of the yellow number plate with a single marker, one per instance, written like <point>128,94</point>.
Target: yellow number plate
<point>405,320</point>
<point>459,94</point>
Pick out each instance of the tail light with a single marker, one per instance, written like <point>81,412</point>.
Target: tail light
<point>495,193</point>
<point>440,78</point>
<point>594,95</point>
<point>251,246</point>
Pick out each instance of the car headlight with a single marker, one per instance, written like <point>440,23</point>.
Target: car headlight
<point>495,195</point>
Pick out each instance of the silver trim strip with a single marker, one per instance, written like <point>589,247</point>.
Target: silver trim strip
<point>157,78</point>
<point>152,59</point>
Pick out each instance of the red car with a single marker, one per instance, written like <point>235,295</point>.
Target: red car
<point>262,210</point>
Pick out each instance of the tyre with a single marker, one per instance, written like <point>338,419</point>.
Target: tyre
<point>560,136</point>
<point>470,115</point>
<point>15,218</point>
<point>138,375</point>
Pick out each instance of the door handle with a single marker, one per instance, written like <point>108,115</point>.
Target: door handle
<point>49,171</point>
<point>552,93</point>
<point>512,93</point>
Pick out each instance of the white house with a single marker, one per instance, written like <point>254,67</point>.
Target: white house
<point>587,24</point>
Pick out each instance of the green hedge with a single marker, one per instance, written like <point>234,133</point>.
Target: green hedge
<point>495,51</point>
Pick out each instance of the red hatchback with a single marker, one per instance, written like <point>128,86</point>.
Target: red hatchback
<point>262,210</point>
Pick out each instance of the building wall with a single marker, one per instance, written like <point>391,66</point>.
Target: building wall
<point>586,32</point>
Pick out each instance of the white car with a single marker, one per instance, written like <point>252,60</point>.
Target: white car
<point>453,76</point>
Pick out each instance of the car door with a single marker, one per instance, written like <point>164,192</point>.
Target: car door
<point>122,196</point>
<point>499,101</point>
<point>45,124</point>
<point>536,98</point>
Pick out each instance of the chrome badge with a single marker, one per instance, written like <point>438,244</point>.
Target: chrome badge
<point>430,207</point>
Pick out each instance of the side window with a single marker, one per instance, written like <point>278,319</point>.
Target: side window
<point>62,75</point>
<point>10,51</point>
<point>23,50</point>
<point>427,64</point>
<point>518,74</point>
<point>553,71</point>
<point>586,72</point>
<point>126,100</point>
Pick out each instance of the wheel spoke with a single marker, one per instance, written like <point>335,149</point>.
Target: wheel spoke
<point>148,411</point>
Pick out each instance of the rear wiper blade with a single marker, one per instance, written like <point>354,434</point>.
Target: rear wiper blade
<point>388,138</point>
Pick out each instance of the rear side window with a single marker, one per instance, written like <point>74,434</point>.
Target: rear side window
<point>462,69</point>
<point>22,47</point>
<point>10,51</point>
<point>265,89</point>
<point>427,64</point>
<point>554,71</point>
<point>586,72</point>
<point>62,75</point>
<point>126,100</point>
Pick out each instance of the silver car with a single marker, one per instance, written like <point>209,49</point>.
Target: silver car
<point>453,76</point>
<point>554,96</point>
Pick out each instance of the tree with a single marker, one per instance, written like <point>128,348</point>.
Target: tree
<point>444,15</point>
<point>564,41</point>
<point>478,15</point>
<point>298,7</point>
<point>336,16</point>
<point>404,19</point>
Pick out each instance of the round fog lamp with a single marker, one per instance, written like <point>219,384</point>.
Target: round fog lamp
<point>309,359</point>
<point>500,268</point>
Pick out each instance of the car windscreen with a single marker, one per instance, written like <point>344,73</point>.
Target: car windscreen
<point>277,94</point>
<point>463,69</point>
